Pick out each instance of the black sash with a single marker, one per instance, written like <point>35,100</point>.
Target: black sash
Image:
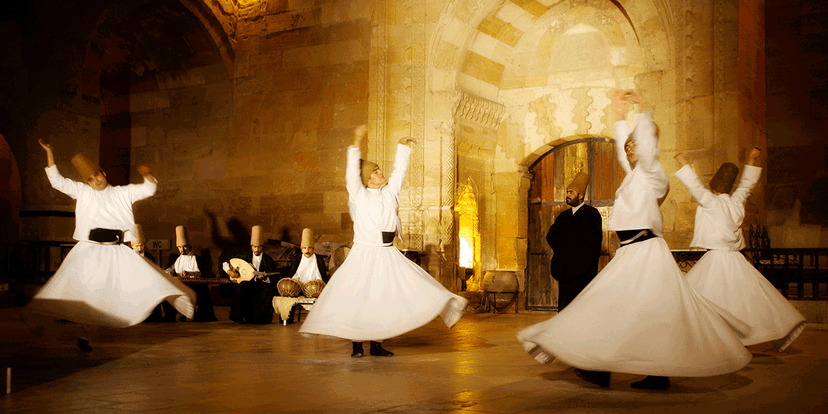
<point>106,236</point>
<point>629,237</point>
<point>388,236</point>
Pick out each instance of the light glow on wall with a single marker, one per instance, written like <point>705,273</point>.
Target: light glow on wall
<point>468,233</point>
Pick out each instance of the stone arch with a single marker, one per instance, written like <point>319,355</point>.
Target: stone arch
<point>478,52</point>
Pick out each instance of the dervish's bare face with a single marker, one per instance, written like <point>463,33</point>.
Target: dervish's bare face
<point>97,181</point>
<point>307,251</point>
<point>377,179</point>
<point>632,157</point>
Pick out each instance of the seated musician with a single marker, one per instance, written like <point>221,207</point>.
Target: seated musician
<point>308,266</point>
<point>253,299</point>
<point>189,265</point>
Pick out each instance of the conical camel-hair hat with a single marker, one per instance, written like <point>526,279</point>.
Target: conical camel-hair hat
<point>85,166</point>
<point>181,238</point>
<point>579,183</point>
<point>307,238</point>
<point>257,236</point>
<point>724,178</point>
<point>139,235</point>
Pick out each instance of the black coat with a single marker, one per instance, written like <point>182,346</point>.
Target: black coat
<point>576,242</point>
<point>320,263</point>
<point>253,300</point>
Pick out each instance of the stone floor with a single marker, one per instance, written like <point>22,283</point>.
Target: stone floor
<point>477,367</point>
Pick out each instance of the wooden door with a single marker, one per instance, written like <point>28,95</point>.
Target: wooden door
<point>547,198</point>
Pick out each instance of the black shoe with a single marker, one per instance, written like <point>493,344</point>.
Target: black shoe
<point>599,378</point>
<point>358,353</point>
<point>378,350</point>
<point>83,345</point>
<point>652,382</point>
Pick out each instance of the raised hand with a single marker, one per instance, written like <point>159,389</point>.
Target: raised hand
<point>50,156</point>
<point>407,140</point>
<point>359,133</point>
<point>144,170</point>
<point>754,154</point>
<point>46,147</point>
<point>681,160</point>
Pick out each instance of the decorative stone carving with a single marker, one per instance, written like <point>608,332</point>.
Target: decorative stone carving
<point>480,111</point>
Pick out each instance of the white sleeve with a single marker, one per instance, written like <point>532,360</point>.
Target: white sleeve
<point>703,196</point>
<point>395,182</point>
<point>63,184</point>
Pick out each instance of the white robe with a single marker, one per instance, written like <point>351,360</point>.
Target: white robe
<point>377,293</point>
<point>106,284</point>
<point>308,270</point>
<point>724,276</point>
<point>638,315</point>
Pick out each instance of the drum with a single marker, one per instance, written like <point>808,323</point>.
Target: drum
<point>313,288</point>
<point>289,288</point>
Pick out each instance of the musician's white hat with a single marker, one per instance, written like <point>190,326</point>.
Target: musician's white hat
<point>307,238</point>
<point>181,238</point>
<point>257,236</point>
<point>139,235</point>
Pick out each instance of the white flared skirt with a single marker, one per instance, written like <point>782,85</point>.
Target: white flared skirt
<point>108,285</point>
<point>727,279</point>
<point>376,294</point>
<point>640,316</point>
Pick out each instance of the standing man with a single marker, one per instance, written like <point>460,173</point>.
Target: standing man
<point>253,299</point>
<point>186,264</point>
<point>723,275</point>
<point>101,281</point>
<point>308,266</point>
<point>575,237</point>
<point>377,292</point>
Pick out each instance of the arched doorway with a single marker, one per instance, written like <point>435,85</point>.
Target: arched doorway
<point>550,176</point>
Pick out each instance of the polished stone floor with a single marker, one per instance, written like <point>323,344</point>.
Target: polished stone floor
<point>477,367</point>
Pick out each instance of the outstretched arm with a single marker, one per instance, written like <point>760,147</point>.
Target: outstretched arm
<point>688,177</point>
<point>145,189</point>
<point>353,178</point>
<point>59,182</point>
<point>395,181</point>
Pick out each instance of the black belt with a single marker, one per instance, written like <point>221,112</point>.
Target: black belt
<point>106,236</point>
<point>388,236</point>
<point>629,237</point>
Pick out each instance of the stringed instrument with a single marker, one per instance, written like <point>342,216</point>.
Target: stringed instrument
<point>246,271</point>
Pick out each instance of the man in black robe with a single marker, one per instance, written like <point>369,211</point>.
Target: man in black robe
<point>253,299</point>
<point>575,237</point>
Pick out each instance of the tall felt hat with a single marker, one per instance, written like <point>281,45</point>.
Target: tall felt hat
<point>85,167</point>
<point>257,236</point>
<point>724,178</point>
<point>367,168</point>
<point>139,235</point>
<point>307,238</point>
<point>181,238</point>
<point>579,183</point>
